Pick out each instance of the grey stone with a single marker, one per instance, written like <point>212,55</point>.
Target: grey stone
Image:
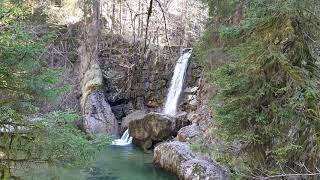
<point>152,127</point>
<point>188,132</point>
<point>191,90</point>
<point>98,115</point>
<point>178,158</point>
<point>138,114</point>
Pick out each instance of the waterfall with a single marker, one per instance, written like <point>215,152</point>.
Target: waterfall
<point>125,139</point>
<point>176,85</point>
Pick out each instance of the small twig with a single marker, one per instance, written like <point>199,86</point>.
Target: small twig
<point>165,25</point>
<point>127,66</point>
<point>285,175</point>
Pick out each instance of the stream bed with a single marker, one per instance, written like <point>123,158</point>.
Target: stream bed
<point>113,163</point>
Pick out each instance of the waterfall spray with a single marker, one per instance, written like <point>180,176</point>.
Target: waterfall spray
<point>125,139</point>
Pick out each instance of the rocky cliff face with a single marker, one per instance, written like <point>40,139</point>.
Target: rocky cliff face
<point>98,115</point>
<point>126,84</point>
<point>123,78</point>
<point>134,79</point>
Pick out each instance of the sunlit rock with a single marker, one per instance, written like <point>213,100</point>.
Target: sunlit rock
<point>178,158</point>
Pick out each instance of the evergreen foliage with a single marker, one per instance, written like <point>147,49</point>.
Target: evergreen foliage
<point>269,95</point>
<point>25,81</point>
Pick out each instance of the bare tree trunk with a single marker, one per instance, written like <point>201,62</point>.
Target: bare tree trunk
<point>120,17</point>
<point>113,18</point>
<point>147,27</point>
<point>141,23</point>
<point>139,19</point>
<point>133,24</point>
<point>134,29</point>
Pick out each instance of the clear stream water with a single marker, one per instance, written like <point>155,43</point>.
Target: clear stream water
<point>114,163</point>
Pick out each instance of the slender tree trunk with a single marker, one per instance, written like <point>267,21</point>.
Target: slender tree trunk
<point>98,116</point>
<point>113,15</point>
<point>139,21</point>
<point>120,17</point>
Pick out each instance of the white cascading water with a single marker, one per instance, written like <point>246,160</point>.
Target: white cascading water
<point>125,139</point>
<point>176,85</point>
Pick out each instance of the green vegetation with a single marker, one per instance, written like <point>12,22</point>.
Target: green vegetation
<point>268,95</point>
<point>262,57</point>
<point>26,82</point>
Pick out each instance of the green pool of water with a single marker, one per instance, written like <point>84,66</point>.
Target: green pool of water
<point>114,163</point>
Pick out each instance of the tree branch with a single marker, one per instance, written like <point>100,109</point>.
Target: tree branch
<point>148,19</point>
<point>165,25</point>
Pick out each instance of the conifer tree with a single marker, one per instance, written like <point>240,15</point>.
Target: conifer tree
<point>25,81</point>
<point>268,95</point>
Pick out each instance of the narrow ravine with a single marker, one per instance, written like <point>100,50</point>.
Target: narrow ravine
<point>122,160</point>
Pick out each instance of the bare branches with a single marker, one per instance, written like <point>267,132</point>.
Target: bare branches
<point>165,23</point>
<point>165,27</point>
<point>148,19</point>
<point>133,20</point>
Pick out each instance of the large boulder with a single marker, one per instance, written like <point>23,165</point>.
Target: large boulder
<point>138,114</point>
<point>152,128</point>
<point>186,134</point>
<point>178,158</point>
<point>99,118</point>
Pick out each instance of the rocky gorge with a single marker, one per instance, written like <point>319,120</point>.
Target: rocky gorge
<point>136,86</point>
<point>124,87</point>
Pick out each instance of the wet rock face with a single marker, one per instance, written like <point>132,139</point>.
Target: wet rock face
<point>181,121</point>
<point>134,77</point>
<point>178,158</point>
